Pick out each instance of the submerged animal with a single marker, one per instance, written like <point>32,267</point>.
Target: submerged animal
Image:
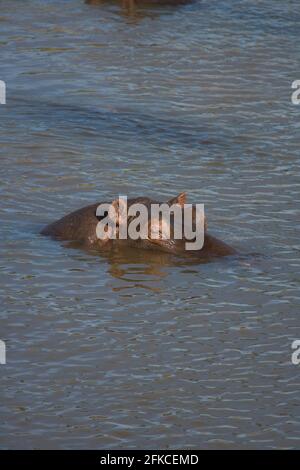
<point>81,226</point>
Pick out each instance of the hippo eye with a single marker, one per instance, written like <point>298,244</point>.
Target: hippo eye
<point>101,217</point>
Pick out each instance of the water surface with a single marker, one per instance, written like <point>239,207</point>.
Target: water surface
<point>134,350</point>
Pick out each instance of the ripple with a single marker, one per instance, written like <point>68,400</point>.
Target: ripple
<point>138,350</point>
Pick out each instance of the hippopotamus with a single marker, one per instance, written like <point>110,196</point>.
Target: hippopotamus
<point>81,226</point>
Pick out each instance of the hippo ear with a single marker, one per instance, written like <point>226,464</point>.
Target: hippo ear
<point>120,210</point>
<point>180,200</point>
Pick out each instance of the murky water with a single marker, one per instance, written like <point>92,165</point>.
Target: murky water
<point>135,350</point>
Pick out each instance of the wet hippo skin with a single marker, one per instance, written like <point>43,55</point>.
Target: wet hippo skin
<point>80,226</point>
<point>213,247</point>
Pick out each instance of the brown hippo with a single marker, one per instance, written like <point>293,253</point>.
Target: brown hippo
<point>80,226</point>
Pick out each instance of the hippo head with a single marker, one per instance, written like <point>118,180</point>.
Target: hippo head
<point>118,218</point>
<point>162,231</point>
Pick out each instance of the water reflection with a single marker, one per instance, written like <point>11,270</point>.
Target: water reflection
<point>146,268</point>
<point>137,9</point>
<point>137,267</point>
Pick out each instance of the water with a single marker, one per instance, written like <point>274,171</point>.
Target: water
<point>133,350</point>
